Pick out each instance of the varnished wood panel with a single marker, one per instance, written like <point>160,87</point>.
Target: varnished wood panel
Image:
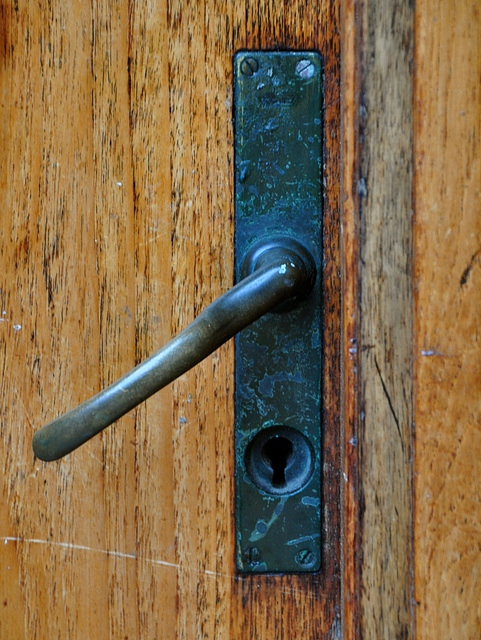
<point>116,230</point>
<point>350,148</point>
<point>448,308</point>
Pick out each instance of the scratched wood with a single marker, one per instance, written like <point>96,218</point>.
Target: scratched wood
<point>448,307</point>
<point>385,335</point>
<point>377,261</point>
<point>116,193</point>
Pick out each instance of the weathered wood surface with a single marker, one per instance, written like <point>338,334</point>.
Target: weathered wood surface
<point>447,361</point>
<point>385,324</point>
<point>377,222</point>
<point>116,229</point>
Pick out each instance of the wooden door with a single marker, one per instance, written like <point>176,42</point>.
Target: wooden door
<point>117,227</point>
<point>117,193</point>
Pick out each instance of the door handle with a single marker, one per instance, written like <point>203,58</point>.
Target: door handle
<point>276,270</point>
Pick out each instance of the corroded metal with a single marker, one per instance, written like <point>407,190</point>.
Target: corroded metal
<point>278,165</point>
<point>281,272</point>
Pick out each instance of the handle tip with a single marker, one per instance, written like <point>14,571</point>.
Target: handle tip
<point>41,448</point>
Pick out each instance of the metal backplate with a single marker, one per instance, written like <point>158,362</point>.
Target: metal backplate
<point>278,431</point>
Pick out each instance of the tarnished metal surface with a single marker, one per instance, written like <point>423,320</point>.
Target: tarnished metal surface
<point>278,166</point>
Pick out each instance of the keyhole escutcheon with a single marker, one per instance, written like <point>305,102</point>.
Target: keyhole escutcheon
<point>279,460</point>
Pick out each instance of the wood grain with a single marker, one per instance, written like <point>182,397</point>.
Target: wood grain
<point>448,307</point>
<point>377,299</point>
<point>385,337</point>
<point>350,173</point>
<point>117,229</point>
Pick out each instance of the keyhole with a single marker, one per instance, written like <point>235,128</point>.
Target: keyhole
<point>279,460</point>
<point>277,453</point>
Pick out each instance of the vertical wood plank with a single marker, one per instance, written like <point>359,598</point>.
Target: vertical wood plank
<point>115,243</point>
<point>448,307</point>
<point>50,325</point>
<point>148,95</point>
<point>378,414</point>
<point>350,163</point>
<point>385,343</point>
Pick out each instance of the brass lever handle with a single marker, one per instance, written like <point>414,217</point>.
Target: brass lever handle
<point>275,271</point>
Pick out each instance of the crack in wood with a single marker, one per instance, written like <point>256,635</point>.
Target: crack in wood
<point>388,397</point>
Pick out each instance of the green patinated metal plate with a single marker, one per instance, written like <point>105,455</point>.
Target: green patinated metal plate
<point>278,182</point>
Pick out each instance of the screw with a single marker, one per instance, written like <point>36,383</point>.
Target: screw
<point>252,556</point>
<point>249,66</point>
<point>305,69</point>
<point>305,557</point>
